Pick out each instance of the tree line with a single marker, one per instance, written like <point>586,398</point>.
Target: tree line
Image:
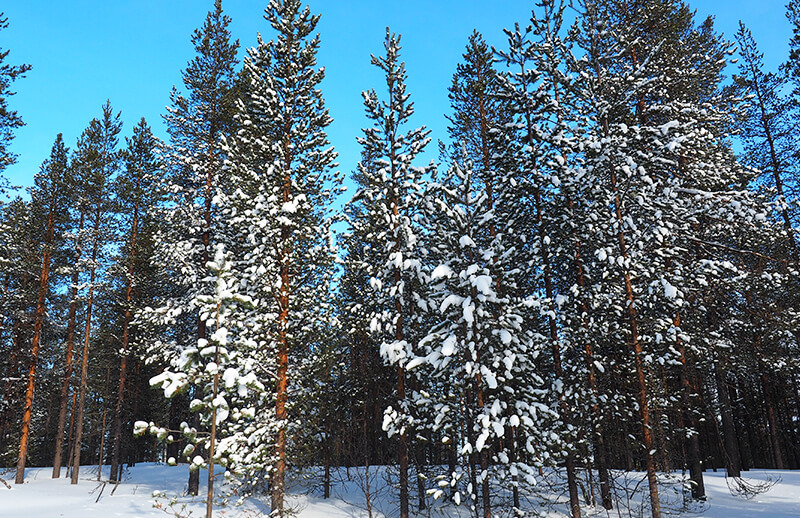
<point>599,274</point>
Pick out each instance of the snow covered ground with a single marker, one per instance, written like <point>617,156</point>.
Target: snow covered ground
<point>43,497</point>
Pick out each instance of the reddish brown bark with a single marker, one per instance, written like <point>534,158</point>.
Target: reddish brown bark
<point>67,379</point>
<point>35,343</point>
<point>123,364</point>
<point>278,480</point>
<point>402,452</point>
<point>76,454</point>
<point>103,429</point>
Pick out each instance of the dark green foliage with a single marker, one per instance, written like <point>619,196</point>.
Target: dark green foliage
<point>9,119</point>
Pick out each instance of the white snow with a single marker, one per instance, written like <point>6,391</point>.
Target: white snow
<point>466,242</point>
<point>483,283</point>
<point>147,485</point>
<point>670,291</point>
<point>441,271</point>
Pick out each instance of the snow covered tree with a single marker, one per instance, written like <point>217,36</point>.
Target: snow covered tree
<point>18,263</point>
<point>369,383</point>
<point>197,121</point>
<point>537,152</point>
<point>660,191</point>
<point>281,185</point>
<point>385,213</point>
<point>214,368</point>
<point>489,398</point>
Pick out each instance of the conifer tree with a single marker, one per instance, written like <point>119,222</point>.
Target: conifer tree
<point>18,264</point>
<point>9,119</point>
<point>135,194</point>
<point>48,202</point>
<point>197,121</point>
<point>98,161</point>
<point>390,201</point>
<point>369,383</point>
<point>281,184</point>
<point>667,187</point>
<point>76,266</point>
<point>767,130</point>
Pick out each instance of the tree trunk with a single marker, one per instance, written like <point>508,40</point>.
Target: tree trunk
<point>37,334</point>
<point>67,379</point>
<point>213,438</point>
<point>103,428</point>
<point>732,460</point>
<point>773,423</point>
<point>281,393</point>
<point>76,460</point>
<point>690,433</point>
<point>123,365</point>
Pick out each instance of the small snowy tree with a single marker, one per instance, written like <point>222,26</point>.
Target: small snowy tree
<point>223,381</point>
<point>480,354</point>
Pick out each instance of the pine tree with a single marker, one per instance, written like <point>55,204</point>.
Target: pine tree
<point>98,161</point>
<point>213,369</point>
<point>767,130</point>
<point>9,119</point>
<point>280,186</point>
<point>661,189</point>
<point>197,122</point>
<point>389,207</point>
<point>368,383</point>
<point>48,201</point>
<point>77,265</point>
<point>135,190</point>
<point>539,151</point>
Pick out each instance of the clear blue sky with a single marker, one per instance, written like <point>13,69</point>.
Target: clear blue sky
<point>132,52</point>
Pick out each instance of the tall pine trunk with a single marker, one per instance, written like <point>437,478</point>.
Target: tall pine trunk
<point>281,392</point>
<point>81,406</point>
<point>732,459</point>
<point>123,365</point>
<point>690,433</point>
<point>67,379</point>
<point>35,343</point>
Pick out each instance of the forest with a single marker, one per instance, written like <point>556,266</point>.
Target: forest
<point>599,273</point>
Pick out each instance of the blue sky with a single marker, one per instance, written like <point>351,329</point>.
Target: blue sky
<point>132,52</point>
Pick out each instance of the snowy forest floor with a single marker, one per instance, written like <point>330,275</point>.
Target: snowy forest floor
<point>158,490</point>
